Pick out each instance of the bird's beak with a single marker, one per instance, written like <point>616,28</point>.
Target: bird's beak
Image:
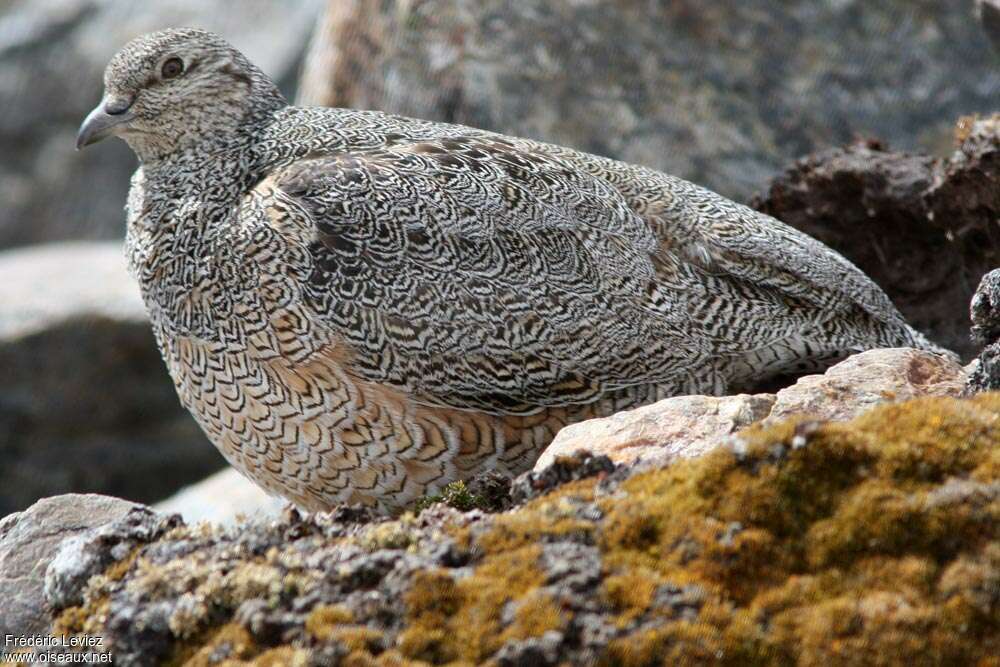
<point>104,120</point>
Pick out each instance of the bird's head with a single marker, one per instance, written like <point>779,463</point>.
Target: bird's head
<point>170,90</point>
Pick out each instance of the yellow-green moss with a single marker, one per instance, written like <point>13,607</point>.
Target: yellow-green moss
<point>397,534</point>
<point>357,637</point>
<point>234,637</point>
<point>551,516</point>
<point>334,623</point>
<point>835,547</point>
<point>432,603</point>
<point>460,621</point>
<point>536,614</point>
<point>325,619</point>
<point>630,593</point>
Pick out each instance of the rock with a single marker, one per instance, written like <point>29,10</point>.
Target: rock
<point>984,374</point>
<point>52,57</point>
<point>923,228</point>
<point>65,281</point>
<point>865,380</point>
<point>28,542</point>
<point>225,498</point>
<point>875,540</point>
<point>682,426</point>
<point>984,311</point>
<point>569,467</point>
<point>689,426</point>
<point>531,652</point>
<point>723,94</point>
<point>86,404</point>
<point>87,554</point>
<point>989,15</point>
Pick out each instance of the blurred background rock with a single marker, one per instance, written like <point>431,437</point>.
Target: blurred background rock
<point>724,94</point>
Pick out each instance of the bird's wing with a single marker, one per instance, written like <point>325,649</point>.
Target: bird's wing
<point>733,239</point>
<point>473,272</point>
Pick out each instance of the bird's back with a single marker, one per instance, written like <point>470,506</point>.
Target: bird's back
<point>708,281</point>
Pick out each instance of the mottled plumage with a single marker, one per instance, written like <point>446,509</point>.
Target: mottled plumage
<point>360,307</point>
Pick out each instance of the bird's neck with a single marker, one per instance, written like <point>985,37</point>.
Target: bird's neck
<point>232,124</point>
<point>182,230</point>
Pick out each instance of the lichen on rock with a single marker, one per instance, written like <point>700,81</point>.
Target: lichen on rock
<point>984,311</point>
<point>872,541</point>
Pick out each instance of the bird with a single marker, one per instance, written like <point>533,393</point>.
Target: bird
<point>362,308</point>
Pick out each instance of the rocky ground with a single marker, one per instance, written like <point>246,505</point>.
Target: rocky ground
<point>870,541</point>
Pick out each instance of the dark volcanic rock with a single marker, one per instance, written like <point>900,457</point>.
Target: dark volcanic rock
<point>723,94</point>
<point>984,311</point>
<point>86,404</point>
<point>923,228</point>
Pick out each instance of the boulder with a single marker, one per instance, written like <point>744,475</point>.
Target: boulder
<point>59,282</point>
<point>923,228</point>
<point>865,380</point>
<point>29,540</point>
<point>682,426</point>
<point>52,57</point>
<point>86,404</point>
<point>225,498</point>
<point>723,94</point>
<point>688,426</point>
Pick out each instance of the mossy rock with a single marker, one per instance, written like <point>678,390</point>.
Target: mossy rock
<point>875,541</point>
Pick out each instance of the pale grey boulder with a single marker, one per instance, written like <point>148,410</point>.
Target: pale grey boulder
<point>86,404</point>
<point>659,433</point>
<point>870,378</point>
<point>688,426</point>
<point>225,498</point>
<point>28,542</point>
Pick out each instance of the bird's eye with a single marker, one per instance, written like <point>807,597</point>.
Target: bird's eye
<point>173,67</point>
